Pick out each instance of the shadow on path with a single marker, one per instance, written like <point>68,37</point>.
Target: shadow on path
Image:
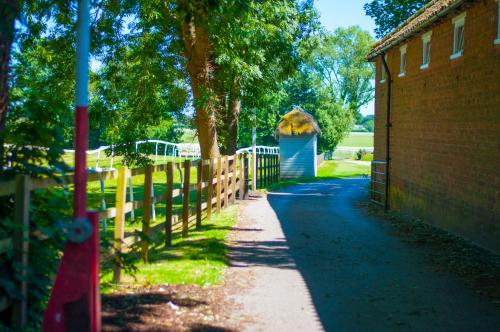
<point>360,277</point>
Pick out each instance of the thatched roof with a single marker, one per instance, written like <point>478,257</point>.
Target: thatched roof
<point>418,22</point>
<point>297,122</point>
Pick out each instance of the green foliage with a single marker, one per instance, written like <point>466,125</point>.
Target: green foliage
<point>389,14</point>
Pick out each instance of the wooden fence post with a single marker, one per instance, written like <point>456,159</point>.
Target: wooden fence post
<point>21,247</point>
<point>233,179</point>
<point>219,184</point>
<point>226,182</point>
<point>241,192</point>
<point>259,165</point>
<point>185,198</point>
<point>245,178</point>
<point>266,164</point>
<point>121,198</point>
<point>210,187</point>
<point>199,187</point>
<point>146,211</point>
<point>169,203</point>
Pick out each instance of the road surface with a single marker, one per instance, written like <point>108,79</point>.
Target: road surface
<point>314,260</point>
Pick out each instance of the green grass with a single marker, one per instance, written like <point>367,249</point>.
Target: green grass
<point>199,259</point>
<point>329,169</point>
<point>358,139</point>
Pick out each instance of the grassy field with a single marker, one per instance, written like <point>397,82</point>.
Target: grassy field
<point>358,140</point>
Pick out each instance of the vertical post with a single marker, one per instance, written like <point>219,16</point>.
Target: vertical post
<point>219,184</point>
<point>146,211</point>
<point>260,170</point>
<point>254,152</point>
<point>21,248</point>
<point>245,177</point>
<point>199,188</point>
<point>266,166</point>
<point>226,182</point>
<point>233,179</point>
<point>210,187</point>
<point>81,114</point>
<point>185,198</point>
<point>120,199</point>
<point>131,196</point>
<point>168,204</point>
<point>241,193</point>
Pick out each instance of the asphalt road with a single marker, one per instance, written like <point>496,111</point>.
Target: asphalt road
<point>316,261</point>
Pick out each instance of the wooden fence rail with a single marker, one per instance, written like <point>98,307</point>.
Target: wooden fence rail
<point>229,179</point>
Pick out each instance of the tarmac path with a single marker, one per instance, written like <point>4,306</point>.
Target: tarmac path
<point>314,260</point>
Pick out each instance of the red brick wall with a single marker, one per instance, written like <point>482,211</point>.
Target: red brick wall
<point>445,135</point>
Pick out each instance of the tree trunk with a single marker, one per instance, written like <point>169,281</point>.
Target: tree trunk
<point>232,117</point>
<point>8,14</point>
<point>197,50</point>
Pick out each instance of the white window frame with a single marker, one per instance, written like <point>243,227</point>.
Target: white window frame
<point>497,40</point>
<point>402,64</point>
<point>458,22</point>
<point>383,74</point>
<point>426,39</point>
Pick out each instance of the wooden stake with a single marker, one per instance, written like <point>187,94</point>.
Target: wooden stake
<point>120,199</point>
<point>21,247</point>
<point>199,182</point>
<point>210,187</point>
<point>168,204</point>
<point>146,211</point>
<point>226,182</point>
<point>219,183</point>
<point>233,178</point>
<point>241,192</point>
<point>185,198</point>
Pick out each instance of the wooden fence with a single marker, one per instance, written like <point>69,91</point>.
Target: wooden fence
<point>268,170</point>
<point>218,183</point>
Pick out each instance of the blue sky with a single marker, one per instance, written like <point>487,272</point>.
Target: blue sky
<point>343,13</point>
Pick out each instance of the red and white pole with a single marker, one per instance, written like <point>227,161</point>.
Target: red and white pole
<point>74,303</point>
<point>81,115</point>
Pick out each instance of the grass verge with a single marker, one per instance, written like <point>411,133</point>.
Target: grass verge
<point>199,259</point>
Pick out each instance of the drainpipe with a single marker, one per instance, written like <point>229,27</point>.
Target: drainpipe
<point>388,126</point>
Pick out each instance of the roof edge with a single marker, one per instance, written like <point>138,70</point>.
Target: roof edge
<point>385,43</point>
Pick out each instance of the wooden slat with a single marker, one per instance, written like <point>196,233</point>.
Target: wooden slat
<point>226,182</point>
<point>185,198</point>
<point>146,211</point>
<point>120,199</point>
<point>210,187</point>
<point>20,242</point>
<point>168,204</point>
<point>219,184</point>
<point>242,169</point>
<point>233,179</point>
<point>199,193</point>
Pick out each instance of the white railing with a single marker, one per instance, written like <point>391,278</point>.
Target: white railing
<point>162,150</point>
<point>260,149</point>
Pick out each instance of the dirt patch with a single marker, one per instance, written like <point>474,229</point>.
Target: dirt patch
<point>478,267</point>
<point>167,308</point>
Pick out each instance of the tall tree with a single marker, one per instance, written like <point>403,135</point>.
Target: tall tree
<point>389,14</point>
<point>339,62</point>
<point>9,10</point>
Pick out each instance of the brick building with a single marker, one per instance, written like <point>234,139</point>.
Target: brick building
<point>442,90</point>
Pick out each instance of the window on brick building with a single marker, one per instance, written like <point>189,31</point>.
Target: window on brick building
<point>497,41</point>
<point>402,61</point>
<point>426,50</point>
<point>383,74</point>
<point>458,36</point>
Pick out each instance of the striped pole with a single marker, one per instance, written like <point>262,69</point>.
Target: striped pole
<point>81,115</point>
<point>74,303</point>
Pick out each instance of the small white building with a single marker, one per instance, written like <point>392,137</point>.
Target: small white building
<point>297,133</point>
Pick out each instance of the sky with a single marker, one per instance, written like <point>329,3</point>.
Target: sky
<point>343,13</point>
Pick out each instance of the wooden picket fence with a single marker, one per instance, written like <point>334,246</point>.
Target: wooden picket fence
<point>268,170</point>
<point>219,181</point>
